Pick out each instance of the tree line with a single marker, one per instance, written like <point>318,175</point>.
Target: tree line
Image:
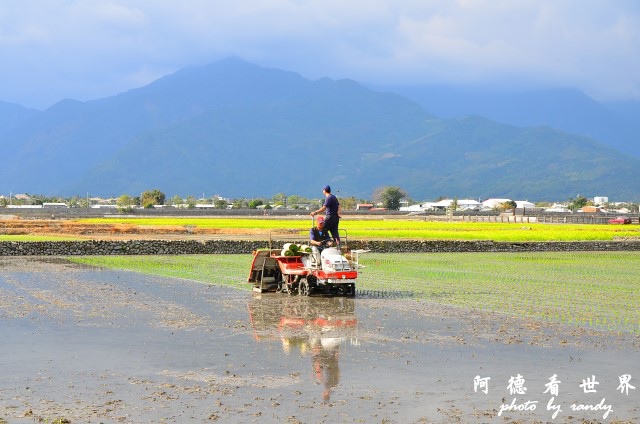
<point>386,197</point>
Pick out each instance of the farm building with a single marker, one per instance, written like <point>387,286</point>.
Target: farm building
<point>591,209</point>
<point>524,204</point>
<point>463,204</point>
<point>493,203</point>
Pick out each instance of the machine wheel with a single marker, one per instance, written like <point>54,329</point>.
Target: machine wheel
<point>313,282</point>
<point>279,282</point>
<point>281,286</point>
<point>348,290</point>
<point>303,288</point>
<point>288,286</point>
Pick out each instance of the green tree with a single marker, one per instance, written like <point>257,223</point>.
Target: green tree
<point>191,202</point>
<point>79,202</point>
<point>390,197</point>
<point>220,204</point>
<point>509,204</point>
<point>153,197</point>
<point>176,200</point>
<point>125,203</point>
<point>348,203</point>
<point>74,202</point>
<point>279,199</point>
<point>254,203</point>
<point>294,200</point>
<point>39,199</point>
<point>578,202</point>
<point>239,203</point>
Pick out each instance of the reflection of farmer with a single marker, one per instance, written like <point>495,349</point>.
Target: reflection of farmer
<point>325,364</point>
<point>318,327</point>
<point>330,207</point>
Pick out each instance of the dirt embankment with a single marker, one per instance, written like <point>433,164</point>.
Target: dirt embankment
<point>64,228</point>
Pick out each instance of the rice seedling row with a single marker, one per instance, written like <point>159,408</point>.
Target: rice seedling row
<point>595,289</point>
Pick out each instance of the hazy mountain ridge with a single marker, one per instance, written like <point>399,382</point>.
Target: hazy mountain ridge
<point>569,110</point>
<point>13,116</point>
<point>238,129</point>
<point>486,158</point>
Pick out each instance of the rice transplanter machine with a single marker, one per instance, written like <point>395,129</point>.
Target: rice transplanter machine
<point>304,270</point>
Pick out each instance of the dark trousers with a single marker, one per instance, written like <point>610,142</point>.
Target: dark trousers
<point>331,225</point>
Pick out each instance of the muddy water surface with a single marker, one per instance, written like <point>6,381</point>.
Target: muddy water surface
<point>90,345</point>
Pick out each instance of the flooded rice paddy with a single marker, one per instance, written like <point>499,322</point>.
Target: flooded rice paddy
<point>86,345</point>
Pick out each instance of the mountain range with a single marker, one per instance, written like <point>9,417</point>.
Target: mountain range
<point>616,124</point>
<point>241,130</point>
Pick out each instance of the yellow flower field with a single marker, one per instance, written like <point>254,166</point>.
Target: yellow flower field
<point>404,228</point>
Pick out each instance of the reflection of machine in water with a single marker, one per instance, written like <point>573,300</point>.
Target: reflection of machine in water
<point>314,326</point>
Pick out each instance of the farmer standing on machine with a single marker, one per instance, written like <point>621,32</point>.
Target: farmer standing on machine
<point>330,207</point>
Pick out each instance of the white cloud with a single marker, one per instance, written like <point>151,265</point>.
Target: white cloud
<point>92,48</point>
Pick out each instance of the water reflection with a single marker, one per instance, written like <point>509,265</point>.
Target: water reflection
<point>312,326</point>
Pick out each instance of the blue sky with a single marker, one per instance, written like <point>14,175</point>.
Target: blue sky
<point>85,49</point>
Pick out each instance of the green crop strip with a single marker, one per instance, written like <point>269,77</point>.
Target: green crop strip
<point>594,289</point>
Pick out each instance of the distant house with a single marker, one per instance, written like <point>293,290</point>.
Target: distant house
<point>524,204</point>
<point>558,208</point>
<point>24,206</point>
<point>54,205</point>
<point>469,205</point>
<point>463,204</point>
<point>427,206</point>
<point>364,206</point>
<point>591,209</point>
<point>442,204</point>
<point>412,208</point>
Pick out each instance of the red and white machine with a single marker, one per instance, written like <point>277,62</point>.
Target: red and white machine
<point>306,273</point>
